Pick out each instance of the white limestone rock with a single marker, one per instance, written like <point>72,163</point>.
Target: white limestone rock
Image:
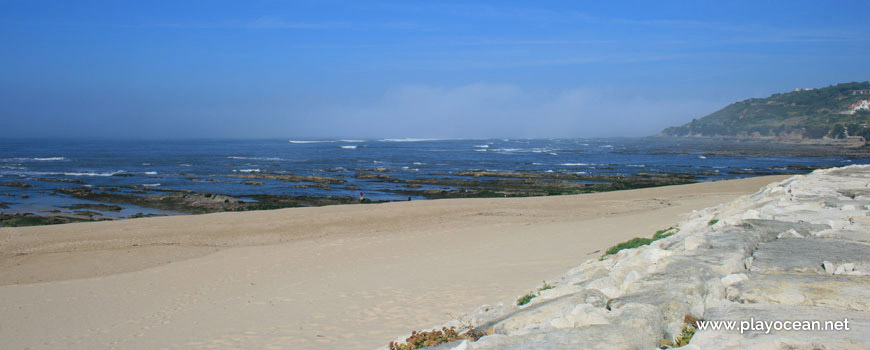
<point>734,278</point>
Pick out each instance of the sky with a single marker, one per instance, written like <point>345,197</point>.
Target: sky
<point>392,69</point>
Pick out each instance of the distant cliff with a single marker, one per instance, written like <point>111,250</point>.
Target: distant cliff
<point>832,113</point>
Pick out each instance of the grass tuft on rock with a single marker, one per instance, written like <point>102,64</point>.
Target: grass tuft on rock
<point>423,339</point>
<point>640,241</point>
<point>525,299</point>
<point>426,338</point>
<point>688,332</point>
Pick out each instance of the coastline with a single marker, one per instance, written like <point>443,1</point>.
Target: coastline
<point>770,146</point>
<point>69,181</point>
<point>784,268</point>
<point>317,278</point>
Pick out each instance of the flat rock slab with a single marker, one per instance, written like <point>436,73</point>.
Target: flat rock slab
<point>807,254</point>
<point>597,337</point>
<point>837,292</point>
<point>855,338</point>
<point>859,235</point>
<point>775,227</point>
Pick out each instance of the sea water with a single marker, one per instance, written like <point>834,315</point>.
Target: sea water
<point>205,165</point>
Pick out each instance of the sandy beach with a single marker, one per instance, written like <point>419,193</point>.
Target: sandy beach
<point>349,277</point>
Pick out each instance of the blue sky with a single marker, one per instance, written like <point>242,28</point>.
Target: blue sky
<point>463,69</point>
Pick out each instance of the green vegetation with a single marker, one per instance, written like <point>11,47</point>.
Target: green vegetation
<point>712,222</point>
<point>426,338</point>
<point>525,299</point>
<point>434,337</point>
<point>546,286</point>
<point>632,243</point>
<point>664,233</point>
<point>688,332</point>
<point>640,241</point>
<point>810,114</point>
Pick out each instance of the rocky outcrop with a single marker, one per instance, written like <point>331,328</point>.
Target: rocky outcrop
<point>798,250</point>
<point>17,184</point>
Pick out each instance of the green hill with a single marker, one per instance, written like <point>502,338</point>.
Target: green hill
<point>797,115</point>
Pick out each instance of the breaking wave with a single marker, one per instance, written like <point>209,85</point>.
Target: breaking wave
<point>310,141</point>
<point>256,158</point>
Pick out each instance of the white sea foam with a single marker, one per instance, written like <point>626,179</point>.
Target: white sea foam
<point>702,157</point>
<point>554,154</point>
<point>146,163</point>
<point>636,165</point>
<point>184,164</point>
<point>310,141</point>
<point>353,140</point>
<point>549,171</point>
<point>408,140</point>
<point>349,147</point>
<point>93,173</point>
<point>481,146</point>
<point>256,158</point>
<point>574,164</point>
<point>246,170</point>
<point>151,185</point>
<point>46,159</point>
<point>417,163</point>
<point>18,172</point>
<point>150,173</point>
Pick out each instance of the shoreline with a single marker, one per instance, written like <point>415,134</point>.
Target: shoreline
<point>795,250</point>
<point>63,182</point>
<point>347,275</point>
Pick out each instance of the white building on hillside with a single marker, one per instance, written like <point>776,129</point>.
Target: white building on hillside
<point>861,105</point>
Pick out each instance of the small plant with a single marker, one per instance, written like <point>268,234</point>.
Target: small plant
<point>640,241</point>
<point>423,339</point>
<point>426,338</point>
<point>665,233</point>
<point>688,332</point>
<point>632,243</point>
<point>712,222</point>
<point>546,286</point>
<point>525,299</point>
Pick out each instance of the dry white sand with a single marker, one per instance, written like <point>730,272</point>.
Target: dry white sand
<point>348,277</point>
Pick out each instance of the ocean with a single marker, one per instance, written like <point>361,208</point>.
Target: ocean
<point>208,165</point>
